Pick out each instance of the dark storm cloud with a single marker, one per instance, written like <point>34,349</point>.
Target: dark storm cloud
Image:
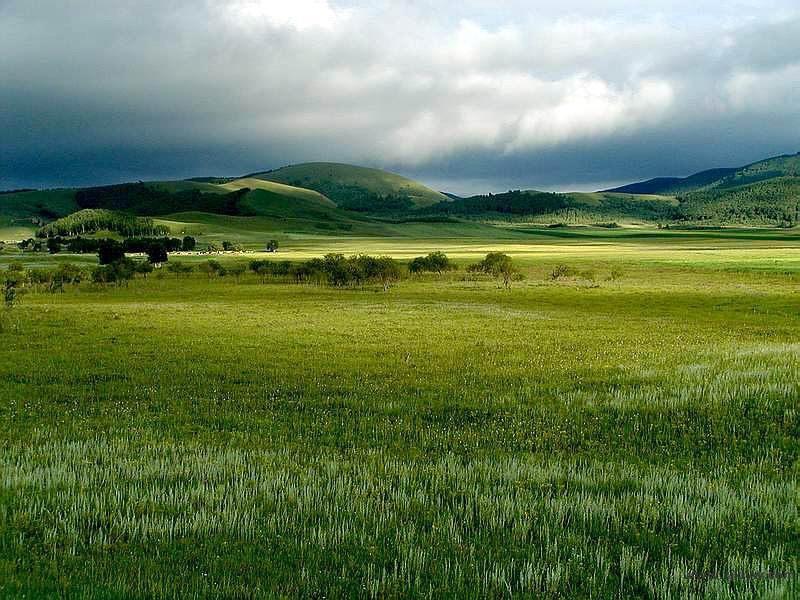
<point>488,96</point>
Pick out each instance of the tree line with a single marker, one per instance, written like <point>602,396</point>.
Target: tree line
<point>334,269</point>
<point>144,199</point>
<point>91,220</point>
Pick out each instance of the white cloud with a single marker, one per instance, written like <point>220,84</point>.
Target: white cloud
<point>387,82</point>
<point>298,14</point>
<point>765,91</point>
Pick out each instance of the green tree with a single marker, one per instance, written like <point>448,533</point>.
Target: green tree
<point>499,266</point>
<point>388,271</point>
<point>188,244</point>
<point>336,269</point>
<point>237,269</point>
<point>272,246</point>
<point>179,268</point>
<point>157,254</point>
<point>10,296</point>
<point>110,251</point>
<point>212,268</point>
<point>435,262</point>
<point>66,273</point>
<point>144,267</point>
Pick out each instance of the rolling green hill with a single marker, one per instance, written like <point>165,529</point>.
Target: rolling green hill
<point>22,213</point>
<point>670,186</point>
<point>337,199</point>
<point>356,188</point>
<point>787,165</point>
<point>771,202</point>
<point>575,207</point>
<point>766,192</point>
<point>280,190</point>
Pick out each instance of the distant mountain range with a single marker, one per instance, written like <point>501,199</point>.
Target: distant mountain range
<point>338,199</point>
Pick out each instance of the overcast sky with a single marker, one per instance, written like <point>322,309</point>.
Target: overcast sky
<point>482,96</point>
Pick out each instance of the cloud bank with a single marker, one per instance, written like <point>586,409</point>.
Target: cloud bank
<point>485,96</point>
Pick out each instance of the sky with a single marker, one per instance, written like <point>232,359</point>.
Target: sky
<point>469,97</point>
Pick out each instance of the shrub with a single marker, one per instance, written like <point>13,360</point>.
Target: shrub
<point>498,265</point>
<point>435,262</point>
<point>559,271</point>
<point>10,296</point>
<point>179,268</point>
<point>213,268</point>
<point>120,271</point>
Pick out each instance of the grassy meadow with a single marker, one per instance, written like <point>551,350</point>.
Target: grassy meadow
<point>622,431</point>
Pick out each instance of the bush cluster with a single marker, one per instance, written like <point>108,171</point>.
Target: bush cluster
<point>497,265</point>
<point>435,262</point>
<point>334,269</point>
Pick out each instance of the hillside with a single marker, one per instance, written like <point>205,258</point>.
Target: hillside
<point>357,188</point>
<point>764,193</point>
<point>787,165</point>
<point>335,199</point>
<point>21,213</point>
<point>280,190</point>
<point>671,186</point>
<point>576,207</point>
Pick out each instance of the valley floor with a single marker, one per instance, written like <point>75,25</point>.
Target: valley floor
<point>628,430</point>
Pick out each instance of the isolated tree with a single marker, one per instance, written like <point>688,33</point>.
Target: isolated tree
<point>498,265</point>
<point>10,296</point>
<point>438,262</point>
<point>188,244</point>
<point>157,254</point>
<point>213,247</point>
<point>110,251</point>
<point>435,262</point>
<point>272,246</point>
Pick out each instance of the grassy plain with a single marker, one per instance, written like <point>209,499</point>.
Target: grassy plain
<point>602,435</point>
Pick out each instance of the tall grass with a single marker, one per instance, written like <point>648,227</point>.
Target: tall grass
<point>445,438</point>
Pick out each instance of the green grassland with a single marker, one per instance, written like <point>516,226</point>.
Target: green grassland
<point>21,213</point>
<point>604,434</point>
<point>279,189</point>
<point>338,181</point>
